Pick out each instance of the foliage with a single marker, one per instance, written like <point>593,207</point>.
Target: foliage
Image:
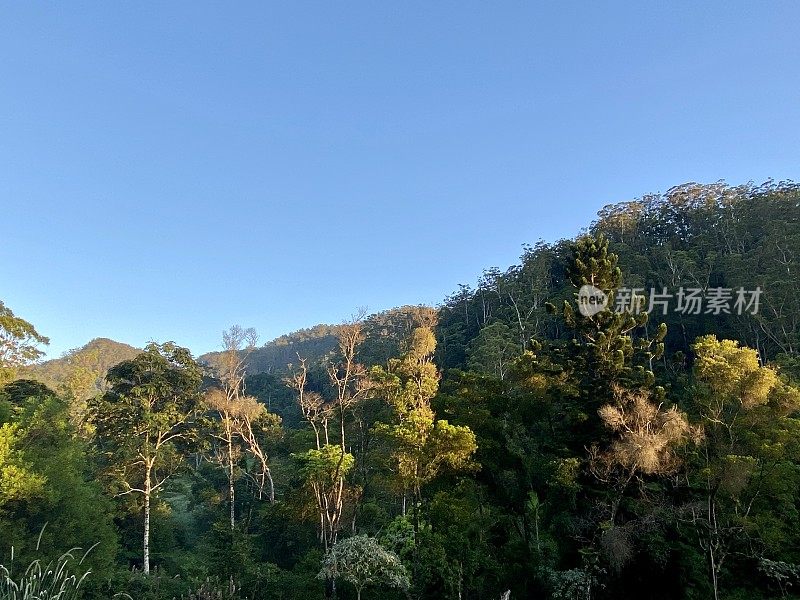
<point>53,483</point>
<point>143,421</point>
<point>326,465</point>
<point>362,561</point>
<point>501,445</point>
<point>55,580</point>
<point>646,435</point>
<point>17,479</point>
<point>19,343</point>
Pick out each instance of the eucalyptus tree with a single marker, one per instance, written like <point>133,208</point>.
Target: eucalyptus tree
<point>145,423</point>
<point>327,464</point>
<point>238,419</point>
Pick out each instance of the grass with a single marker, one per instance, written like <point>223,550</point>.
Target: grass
<point>52,581</point>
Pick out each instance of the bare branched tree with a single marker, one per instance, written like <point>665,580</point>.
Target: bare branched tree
<point>327,465</point>
<point>239,417</point>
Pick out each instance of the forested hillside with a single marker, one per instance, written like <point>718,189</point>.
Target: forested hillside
<point>618,416</point>
<point>276,355</point>
<point>82,371</point>
<point>692,237</point>
<point>384,333</point>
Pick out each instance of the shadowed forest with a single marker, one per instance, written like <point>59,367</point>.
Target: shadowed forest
<point>500,445</point>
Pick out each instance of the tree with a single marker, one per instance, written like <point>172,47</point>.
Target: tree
<point>327,465</point>
<point>493,351</point>
<point>64,494</point>
<point>18,343</point>
<point>362,561</point>
<point>238,343</point>
<point>254,425</point>
<point>603,352</point>
<point>421,446</point>
<point>145,420</point>
<point>238,417</point>
<point>744,409</point>
<point>18,480</point>
<point>644,449</point>
<point>348,377</point>
<point>646,440</point>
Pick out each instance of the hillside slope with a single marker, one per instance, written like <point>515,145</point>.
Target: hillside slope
<point>695,240</point>
<point>312,343</point>
<point>82,371</point>
<point>384,334</point>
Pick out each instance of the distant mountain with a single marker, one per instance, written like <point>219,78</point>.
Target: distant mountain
<point>83,369</point>
<point>313,343</point>
<point>384,334</point>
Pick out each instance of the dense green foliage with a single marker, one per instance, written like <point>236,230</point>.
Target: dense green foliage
<point>694,236</point>
<point>505,443</point>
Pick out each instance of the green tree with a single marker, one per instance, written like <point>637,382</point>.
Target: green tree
<point>18,481</point>
<point>55,485</point>
<point>19,342</point>
<point>604,351</point>
<point>361,561</point>
<point>144,422</point>
<point>422,446</point>
<point>493,351</point>
<point>748,442</point>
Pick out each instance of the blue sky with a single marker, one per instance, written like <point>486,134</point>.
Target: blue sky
<point>169,169</point>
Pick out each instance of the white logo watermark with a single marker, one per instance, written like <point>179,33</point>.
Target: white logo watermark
<point>591,300</point>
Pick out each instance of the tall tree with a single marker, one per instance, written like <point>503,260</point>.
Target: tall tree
<point>238,418</point>
<point>422,446</point>
<point>326,467</point>
<point>145,421</point>
<point>745,412</point>
<point>603,351</point>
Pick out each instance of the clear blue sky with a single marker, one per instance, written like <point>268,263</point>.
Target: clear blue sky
<point>169,169</point>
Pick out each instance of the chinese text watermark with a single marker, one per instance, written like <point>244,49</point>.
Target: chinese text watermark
<point>686,300</point>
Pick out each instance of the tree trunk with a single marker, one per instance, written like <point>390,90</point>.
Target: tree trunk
<point>712,540</point>
<point>330,588</point>
<point>713,565</point>
<point>146,537</point>
<point>231,490</point>
<point>271,485</point>
<point>341,427</point>
<point>416,499</point>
